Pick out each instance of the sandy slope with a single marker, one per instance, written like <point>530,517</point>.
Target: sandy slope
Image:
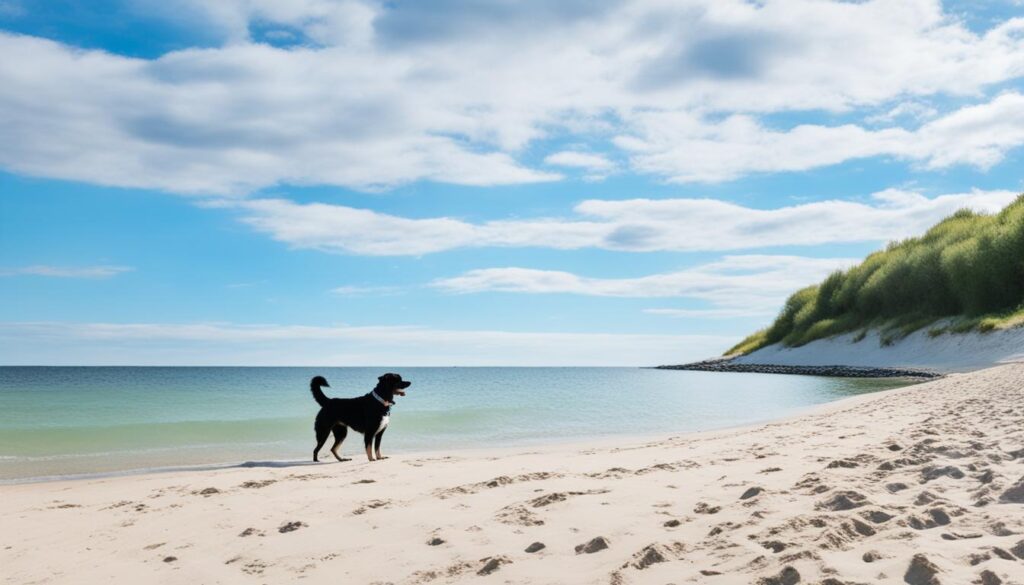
<point>924,483</point>
<point>945,353</point>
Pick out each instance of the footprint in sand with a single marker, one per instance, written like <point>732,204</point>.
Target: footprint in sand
<point>592,546</point>
<point>291,526</point>
<point>843,534</point>
<point>751,492</point>
<point>554,497</point>
<point>787,576</point>
<point>703,508</point>
<point>1000,529</point>
<point>1015,494</point>
<point>535,547</point>
<point>371,505</point>
<point>653,554</point>
<point>492,564</point>
<point>961,536</point>
<point>921,571</point>
<point>501,480</point>
<point>254,568</point>
<point>933,518</point>
<point>876,516</point>
<point>931,473</point>
<point>844,500</point>
<point>257,484</point>
<point>518,515</point>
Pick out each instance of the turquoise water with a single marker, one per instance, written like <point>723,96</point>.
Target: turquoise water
<point>68,421</point>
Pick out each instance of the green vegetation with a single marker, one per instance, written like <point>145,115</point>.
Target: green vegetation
<point>967,272</point>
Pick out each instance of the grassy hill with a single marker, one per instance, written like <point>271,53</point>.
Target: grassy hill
<point>968,271</point>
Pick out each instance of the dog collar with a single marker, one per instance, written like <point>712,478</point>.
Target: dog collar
<point>381,400</point>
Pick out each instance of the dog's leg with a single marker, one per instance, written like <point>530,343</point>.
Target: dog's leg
<point>368,443</point>
<point>376,445</point>
<point>322,432</point>
<point>340,431</point>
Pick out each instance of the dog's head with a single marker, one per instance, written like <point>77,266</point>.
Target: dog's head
<point>390,384</point>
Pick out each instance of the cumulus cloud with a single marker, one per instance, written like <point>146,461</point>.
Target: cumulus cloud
<point>57,343</point>
<point>229,121</point>
<point>735,285</point>
<point>372,94</point>
<point>597,166</point>
<point>684,148</point>
<point>635,225</point>
<point>67,271</point>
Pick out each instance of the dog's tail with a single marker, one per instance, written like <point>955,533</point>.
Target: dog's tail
<point>318,394</point>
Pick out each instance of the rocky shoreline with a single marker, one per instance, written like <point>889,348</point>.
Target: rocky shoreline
<point>836,371</point>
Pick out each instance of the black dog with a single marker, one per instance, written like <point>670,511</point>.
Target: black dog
<point>368,414</point>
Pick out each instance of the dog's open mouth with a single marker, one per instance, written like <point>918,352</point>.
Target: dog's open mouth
<point>401,388</point>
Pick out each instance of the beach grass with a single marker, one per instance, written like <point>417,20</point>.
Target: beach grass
<point>967,272</point>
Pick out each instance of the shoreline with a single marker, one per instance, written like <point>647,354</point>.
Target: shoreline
<point>557,444</point>
<point>922,479</point>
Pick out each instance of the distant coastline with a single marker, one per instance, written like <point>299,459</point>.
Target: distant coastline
<point>729,364</point>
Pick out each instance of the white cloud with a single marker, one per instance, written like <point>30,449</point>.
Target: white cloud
<point>735,285</point>
<point>380,94</point>
<point>230,121</point>
<point>637,225</point>
<point>598,166</point>
<point>978,135</point>
<point>684,148</point>
<point>233,344</point>
<point>68,271</point>
<point>912,110</point>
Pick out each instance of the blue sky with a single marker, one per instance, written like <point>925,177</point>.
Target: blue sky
<point>350,182</point>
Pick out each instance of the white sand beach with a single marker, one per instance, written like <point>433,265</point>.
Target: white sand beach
<point>943,353</point>
<point>923,484</point>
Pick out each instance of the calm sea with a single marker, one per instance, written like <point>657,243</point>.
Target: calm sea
<point>69,421</point>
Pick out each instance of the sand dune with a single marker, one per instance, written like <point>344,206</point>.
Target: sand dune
<point>919,485</point>
<point>948,352</point>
